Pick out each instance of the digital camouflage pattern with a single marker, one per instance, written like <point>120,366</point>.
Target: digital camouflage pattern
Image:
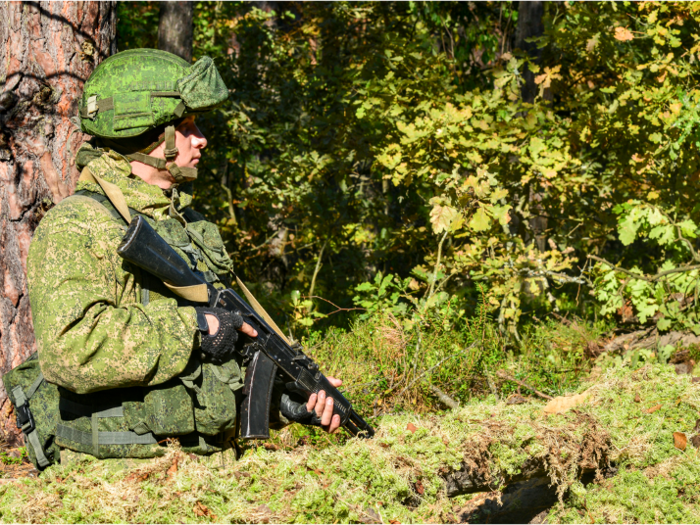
<point>136,90</point>
<point>104,345</point>
<point>117,342</point>
<point>93,333</point>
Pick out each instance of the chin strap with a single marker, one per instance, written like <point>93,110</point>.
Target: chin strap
<point>180,174</point>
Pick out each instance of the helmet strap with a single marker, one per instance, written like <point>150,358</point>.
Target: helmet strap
<point>179,174</point>
<point>170,147</point>
<point>182,174</point>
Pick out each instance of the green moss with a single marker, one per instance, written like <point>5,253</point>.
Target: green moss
<point>339,479</point>
<point>637,496</point>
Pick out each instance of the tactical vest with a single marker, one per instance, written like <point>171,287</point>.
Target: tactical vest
<point>198,407</point>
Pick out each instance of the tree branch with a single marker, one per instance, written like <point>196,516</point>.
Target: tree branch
<point>316,270</point>
<point>696,258</point>
<point>641,277</point>
<point>339,308</point>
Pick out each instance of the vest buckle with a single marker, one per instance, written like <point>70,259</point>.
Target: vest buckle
<point>25,421</point>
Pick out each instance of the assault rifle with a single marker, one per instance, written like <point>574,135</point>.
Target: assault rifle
<point>269,351</point>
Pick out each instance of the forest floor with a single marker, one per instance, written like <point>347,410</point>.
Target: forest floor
<point>619,447</point>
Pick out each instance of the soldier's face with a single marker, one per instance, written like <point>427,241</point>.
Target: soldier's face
<point>189,141</point>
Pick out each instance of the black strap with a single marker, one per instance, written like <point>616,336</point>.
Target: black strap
<point>66,405</point>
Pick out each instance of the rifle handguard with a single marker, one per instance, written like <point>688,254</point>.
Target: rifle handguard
<point>143,247</point>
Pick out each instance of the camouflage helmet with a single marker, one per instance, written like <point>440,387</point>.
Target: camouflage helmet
<point>137,91</point>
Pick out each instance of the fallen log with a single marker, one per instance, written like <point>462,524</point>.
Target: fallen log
<point>649,338</point>
<point>566,459</point>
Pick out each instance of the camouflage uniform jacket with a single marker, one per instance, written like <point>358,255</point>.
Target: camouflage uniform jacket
<point>102,325</point>
<point>92,328</point>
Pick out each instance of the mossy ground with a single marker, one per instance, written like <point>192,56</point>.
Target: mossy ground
<point>398,476</point>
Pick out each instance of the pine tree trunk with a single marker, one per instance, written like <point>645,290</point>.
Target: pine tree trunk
<point>47,51</point>
<point>175,31</point>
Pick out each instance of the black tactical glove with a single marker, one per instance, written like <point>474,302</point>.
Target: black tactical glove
<point>296,411</point>
<point>220,346</point>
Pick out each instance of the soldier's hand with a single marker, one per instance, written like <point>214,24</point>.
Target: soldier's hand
<point>219,330</point>
<point>213,323</point>
<point>248,330</point>
<point>323,406</point>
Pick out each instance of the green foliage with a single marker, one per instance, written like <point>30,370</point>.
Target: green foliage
<point>668,296</point>
<point>392,139</point>
<point>382,296</point>
<point>137,25</point>
<point>389,365</point>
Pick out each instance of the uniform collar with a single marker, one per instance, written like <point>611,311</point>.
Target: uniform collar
<point>145,198</point>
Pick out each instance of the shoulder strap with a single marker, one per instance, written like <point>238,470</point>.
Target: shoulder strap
<point>104,201</point>
<point>115,195</point>
<point>107,205</point>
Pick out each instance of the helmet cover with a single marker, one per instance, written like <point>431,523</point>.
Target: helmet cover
<point>135,91</point>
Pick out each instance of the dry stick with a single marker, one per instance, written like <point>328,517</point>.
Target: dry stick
<point>433,368</point>
<point>505,376</point>
<point>437,265</point>
<point>444,398</point>
<point>339,309</point>
<point>316,270</point>
<point>492,387</point>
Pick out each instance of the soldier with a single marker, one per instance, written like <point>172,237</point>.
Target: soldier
<point>134,363</point>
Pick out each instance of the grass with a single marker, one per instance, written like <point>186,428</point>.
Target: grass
<point>379,359</point>
<point>627,420</point>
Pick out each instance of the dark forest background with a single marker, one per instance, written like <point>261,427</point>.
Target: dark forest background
<point>412,157</point>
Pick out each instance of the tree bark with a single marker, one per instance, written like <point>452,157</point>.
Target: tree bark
<point>47,51</point>
<point>530,25</point>
<point>175,28</point>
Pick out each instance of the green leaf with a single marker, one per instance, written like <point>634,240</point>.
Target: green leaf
<point>627,230</point>
<point>536,146</point>
<point>500,213</point>
<point>664,324</point>
<point>664,234</point>
<point>480,221</point>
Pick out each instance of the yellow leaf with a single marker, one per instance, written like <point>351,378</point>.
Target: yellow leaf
<point>592,42</point>
<point>623,34</point>
<point>480,221</point>
<point>442,216</point>
<point>540,78</point>
<point>563,404</point>
<point>549,74</point>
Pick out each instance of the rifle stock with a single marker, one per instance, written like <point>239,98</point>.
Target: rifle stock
<point>143,247</point>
